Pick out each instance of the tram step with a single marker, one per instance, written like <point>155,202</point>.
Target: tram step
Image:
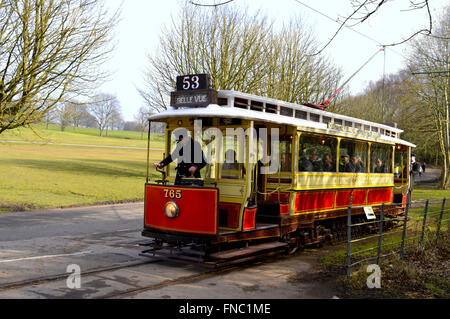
<point>251,250</point>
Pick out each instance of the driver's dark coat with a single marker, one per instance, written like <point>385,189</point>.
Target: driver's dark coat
<point>183,167</point>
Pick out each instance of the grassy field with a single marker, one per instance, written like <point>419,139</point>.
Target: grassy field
<point>86,136</point>
<point>48,176</point>
<point>430,192</point>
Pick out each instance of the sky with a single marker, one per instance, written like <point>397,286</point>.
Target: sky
<point>138,32</point>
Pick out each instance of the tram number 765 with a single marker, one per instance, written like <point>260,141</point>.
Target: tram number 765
<point>172,194</point>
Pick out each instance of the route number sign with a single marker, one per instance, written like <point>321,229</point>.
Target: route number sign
<point>193,82</point>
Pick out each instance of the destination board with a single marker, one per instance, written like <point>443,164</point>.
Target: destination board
<point>201,98</point>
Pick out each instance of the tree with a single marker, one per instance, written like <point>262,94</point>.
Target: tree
<point>131,126</point>
<point>63,113</point>
<point>141,119</point>
<point>240,52</point>
<point>116,121</point>
<point>363,10</point>
<point>104,108</point>
<point>431,58</point>
<point>78,113</point>
<point>49,51</point>
<point>418,103</point>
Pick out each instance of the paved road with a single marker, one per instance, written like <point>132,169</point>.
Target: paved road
<point>42,244</point>
<point>431,175</point>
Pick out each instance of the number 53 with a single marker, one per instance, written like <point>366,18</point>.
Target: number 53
<point>189,83</point>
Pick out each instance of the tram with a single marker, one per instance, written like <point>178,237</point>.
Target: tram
<point>285,183</point>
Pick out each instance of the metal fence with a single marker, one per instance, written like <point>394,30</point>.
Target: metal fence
<point>410,225</point>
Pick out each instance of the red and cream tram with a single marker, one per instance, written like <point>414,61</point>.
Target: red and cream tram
<point>325,162</point>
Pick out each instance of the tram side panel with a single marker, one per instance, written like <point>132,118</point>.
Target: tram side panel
<point>181,212</point>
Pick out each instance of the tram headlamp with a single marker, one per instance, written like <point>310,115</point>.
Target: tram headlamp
<point>171,209</point>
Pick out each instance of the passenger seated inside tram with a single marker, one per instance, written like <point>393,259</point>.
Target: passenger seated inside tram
<point>313,164</point>
<point>358,166</point>
<point>327,163</point>
<point>346,166</point>
<point>379,166</point>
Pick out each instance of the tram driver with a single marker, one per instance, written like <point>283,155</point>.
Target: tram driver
<point>188,166</point>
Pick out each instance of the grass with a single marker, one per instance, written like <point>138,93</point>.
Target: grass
<point>427,192</point>
<point>423,273</point>
<point>86,136</point>
<point>51,176</point>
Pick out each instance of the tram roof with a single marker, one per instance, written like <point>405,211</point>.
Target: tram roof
<point>252,107</point>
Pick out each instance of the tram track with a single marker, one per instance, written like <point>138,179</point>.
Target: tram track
<point>54,278</point>
<point>173,282</point>
<point>129,292</point>
<point>104,273</point>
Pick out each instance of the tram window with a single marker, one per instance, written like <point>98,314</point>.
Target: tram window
<point>256,106</point>
<point>271,108</point>
<point>317,153</point>
<point>286,111</point>
<point>326,119</point>
<point>234,158</point>
<point>358,125</point>
<point>301,115</point>
<point>241,103</point>
<point>381,159</point>
<point>353,157</point>
<point>349,124</point>
<point>209,148</point>
<point>366,128</point>
<point>401,164</point>
<point>338,121</point>
<point>314,117</point>
<point>286,154</point>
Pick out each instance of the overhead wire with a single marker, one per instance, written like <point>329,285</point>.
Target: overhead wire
<point>350,28</point>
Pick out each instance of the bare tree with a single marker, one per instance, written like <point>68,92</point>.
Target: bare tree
<point>241,52</point>
<point>364,9</point>
<point>141,119</point>
<point>294,75</point>
<point>79,111</point>
<point>64,113</point>
<point>116,121</point>
<point>49,50</point>
<point>431,57</point>
<point>104,108</point>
